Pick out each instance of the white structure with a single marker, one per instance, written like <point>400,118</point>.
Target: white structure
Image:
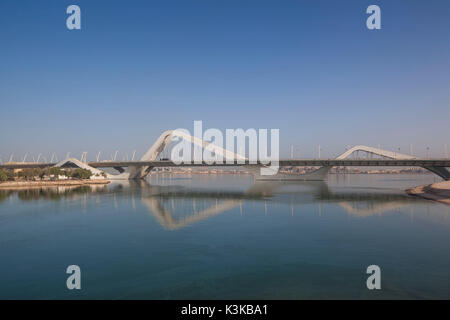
<point>165,139</point>
<point>376,151</point>
<point>96,173</point>
<point>319,174</point>
<point>137,172</point>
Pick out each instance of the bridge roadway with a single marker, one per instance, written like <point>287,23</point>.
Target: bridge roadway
<point>282,162</point>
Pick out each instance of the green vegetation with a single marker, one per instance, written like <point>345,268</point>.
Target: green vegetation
<point>6,175</point>
<point>55,171</point>
<point>33,174</point>
<point>81,174</point>
<point>29,173</point>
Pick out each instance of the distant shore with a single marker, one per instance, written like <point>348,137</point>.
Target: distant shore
<point>439,191</point>
<point>50,183</point>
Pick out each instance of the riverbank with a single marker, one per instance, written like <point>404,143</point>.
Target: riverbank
<point>50,183</point>
<point>439,191</point>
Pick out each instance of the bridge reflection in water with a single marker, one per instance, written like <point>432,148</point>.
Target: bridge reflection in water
<point>177,206</point>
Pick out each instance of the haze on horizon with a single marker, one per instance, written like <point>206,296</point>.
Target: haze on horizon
<point>310,68</point>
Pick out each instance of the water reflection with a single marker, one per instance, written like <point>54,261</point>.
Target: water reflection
<point>49,193</point>
<point>178,205</point>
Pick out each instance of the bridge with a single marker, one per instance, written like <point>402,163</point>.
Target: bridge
<point>140,169</point>
<point>424,163</point>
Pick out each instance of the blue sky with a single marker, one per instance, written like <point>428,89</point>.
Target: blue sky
<point>137,68</point>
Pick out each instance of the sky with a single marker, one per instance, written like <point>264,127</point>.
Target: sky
<point>309,68</point>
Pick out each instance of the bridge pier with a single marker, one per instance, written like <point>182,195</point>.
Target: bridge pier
<point>137,173</point>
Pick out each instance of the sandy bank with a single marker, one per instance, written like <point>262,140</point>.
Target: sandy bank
<point>31,184</point>
<point>439,191</point>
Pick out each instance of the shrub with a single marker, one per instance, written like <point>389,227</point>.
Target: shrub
<point>81,173</point>
<point>56,171</point>
<point>29,173</point>
<point>3,175</point>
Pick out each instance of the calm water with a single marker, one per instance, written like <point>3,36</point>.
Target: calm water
<point>225,237</point>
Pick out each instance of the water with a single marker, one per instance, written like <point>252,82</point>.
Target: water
<point>225,237</point>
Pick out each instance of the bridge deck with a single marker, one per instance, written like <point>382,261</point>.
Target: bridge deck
<point>282,162</point>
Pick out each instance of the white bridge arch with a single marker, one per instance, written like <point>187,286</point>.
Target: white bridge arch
<point>375,151</point>
<point>165,139</point>
<point>137,172</point>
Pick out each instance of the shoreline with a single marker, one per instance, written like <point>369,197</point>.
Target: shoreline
<point>50,183</point>
<point>439,191</point>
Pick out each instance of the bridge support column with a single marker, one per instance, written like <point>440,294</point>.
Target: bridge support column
<point>137,173</point>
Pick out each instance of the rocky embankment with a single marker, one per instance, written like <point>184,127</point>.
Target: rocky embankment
<point>50,183</point>
<point>439,191</point>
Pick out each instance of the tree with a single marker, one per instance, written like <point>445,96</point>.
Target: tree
<point>68,173</point>
<point>42,173</point>
<point>55,171</point>
<point>80,173</point>
<point>28,173</point>
<point>6,175</point>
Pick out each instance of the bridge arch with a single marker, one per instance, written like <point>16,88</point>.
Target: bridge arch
<point>376,151</point>
<point>440,171</point>
<point>166,138</point>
